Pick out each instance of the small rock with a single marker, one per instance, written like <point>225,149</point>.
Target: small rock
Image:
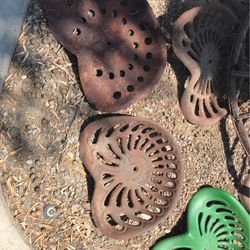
<point>23,77</point>
<point>38,163</point>
<point>29,162</point>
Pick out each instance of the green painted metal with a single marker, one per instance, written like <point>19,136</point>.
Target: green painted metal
<point>216,220</point>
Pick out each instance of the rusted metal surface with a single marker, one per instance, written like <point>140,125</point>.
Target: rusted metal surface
<point>239,87</point>
<point>120,50</point>
<point>202,39</point>
<point>138,173</point>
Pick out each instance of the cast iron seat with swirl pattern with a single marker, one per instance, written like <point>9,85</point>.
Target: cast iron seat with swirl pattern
<point>138,172</point>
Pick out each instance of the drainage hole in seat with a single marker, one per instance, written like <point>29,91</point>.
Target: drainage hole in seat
<point>130,88</point>
<point>117,95</point>
<point>91,13</point>
<point>135,56</point>
<point>124,21</point>
<point>148,41</point>
<point>130,66</point>
<point>68,2</point>
<point>135,45</point>
<point>131,32</point>
<point>140,79</point>
<point>83,20</point>
<point>149,55</point>
<point>114,14</point>
<point>103,11</point>
<point>146,68</point>
<point>111,76</point>
<point>142,26</point>
<point>122,73</point>
<point>99,73</point>
<point>76,32</point>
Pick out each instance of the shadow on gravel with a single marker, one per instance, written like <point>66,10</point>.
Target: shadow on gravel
<point>179,228</point>
<point>73,60</point>
<point>174,10</point>
<point>229,152</point>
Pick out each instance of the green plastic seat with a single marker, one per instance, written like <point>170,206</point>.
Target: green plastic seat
<point>216,220</point>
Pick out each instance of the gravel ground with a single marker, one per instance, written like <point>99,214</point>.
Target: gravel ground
<point>41,112</point>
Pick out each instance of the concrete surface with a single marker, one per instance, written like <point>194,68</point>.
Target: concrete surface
<point>12,13</point>
<point>10,237</point>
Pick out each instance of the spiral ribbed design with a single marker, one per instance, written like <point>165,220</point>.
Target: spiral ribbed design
<point>137,169</point>
<point>202,39</point>
<point>216,220</point>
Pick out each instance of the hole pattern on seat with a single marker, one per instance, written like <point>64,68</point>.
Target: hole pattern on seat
<point>202,39</point>
<point>215,220</point>
<point>137,168</point>
<point>122,38</point>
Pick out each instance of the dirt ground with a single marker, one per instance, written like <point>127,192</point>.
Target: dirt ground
<point>41,112</point>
